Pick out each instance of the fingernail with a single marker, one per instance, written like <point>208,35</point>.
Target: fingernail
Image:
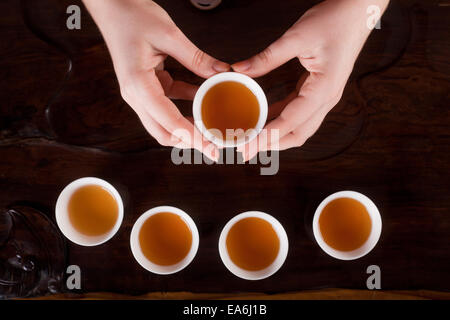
<point>241,66</point>
<point>220,66</point>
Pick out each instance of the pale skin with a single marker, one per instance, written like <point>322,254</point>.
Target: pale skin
<point>326,40</point>
<point>140,35</point>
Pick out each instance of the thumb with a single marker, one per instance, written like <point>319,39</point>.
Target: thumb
<point>278,53</point>
<point>194,59</point>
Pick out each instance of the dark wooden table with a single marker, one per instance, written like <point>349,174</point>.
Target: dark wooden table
<point>62,117</point>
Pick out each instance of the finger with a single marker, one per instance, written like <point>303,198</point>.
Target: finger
<point>175,123</point>
<point>199,142</point>
<point>176,89</point>
<point>148,93</point>
<point>184,130</point>
<point>161,135</point>
<point>183,91</point>
<point>300,135</point>
<point>312,96</point>
<point>251,148</point>
<point>274,111</point>
<point>276,54</point>
<point>274,130</point>
<point>294,138</point>
<point>278,128</point>
<point>191,119</point>
<point>276,108</point>
<point>321,92</point>
<point>194,59</point>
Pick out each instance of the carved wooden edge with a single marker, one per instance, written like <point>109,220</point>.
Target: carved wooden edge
<point>323,294</point>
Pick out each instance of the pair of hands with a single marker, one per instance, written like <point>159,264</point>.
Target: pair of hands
<point>140,35</point>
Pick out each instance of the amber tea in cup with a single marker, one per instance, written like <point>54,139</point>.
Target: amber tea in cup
<point>347,225</point>
<point>253,245</point>
<point>230,109</point>
<point>230,105</point>
<point>89,211</point>
<point>164,240</point>
<point>93,211</point>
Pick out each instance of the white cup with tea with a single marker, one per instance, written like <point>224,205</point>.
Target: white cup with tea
<point>230,109</point>
<point>253,245</point>
<point>164,240</point>
<point>347,225</point>
<point>89,211</point>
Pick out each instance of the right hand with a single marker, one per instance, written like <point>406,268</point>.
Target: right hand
<point>140,35</point>
<point>326,40</point>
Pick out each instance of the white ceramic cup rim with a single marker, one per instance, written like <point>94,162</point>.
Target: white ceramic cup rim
<point>252,85</point>
<point>136,246</point>
<point>258,274</point>
<point>62,214</point>
<point>374,234</point>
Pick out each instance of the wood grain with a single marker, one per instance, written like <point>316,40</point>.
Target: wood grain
<point>62,117</point>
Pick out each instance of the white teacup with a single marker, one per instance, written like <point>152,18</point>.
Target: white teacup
<point>142,259</point>
<point>375,233</point>
<point>258,274</point>
<point>62,214</point>
<point>253,86</point>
